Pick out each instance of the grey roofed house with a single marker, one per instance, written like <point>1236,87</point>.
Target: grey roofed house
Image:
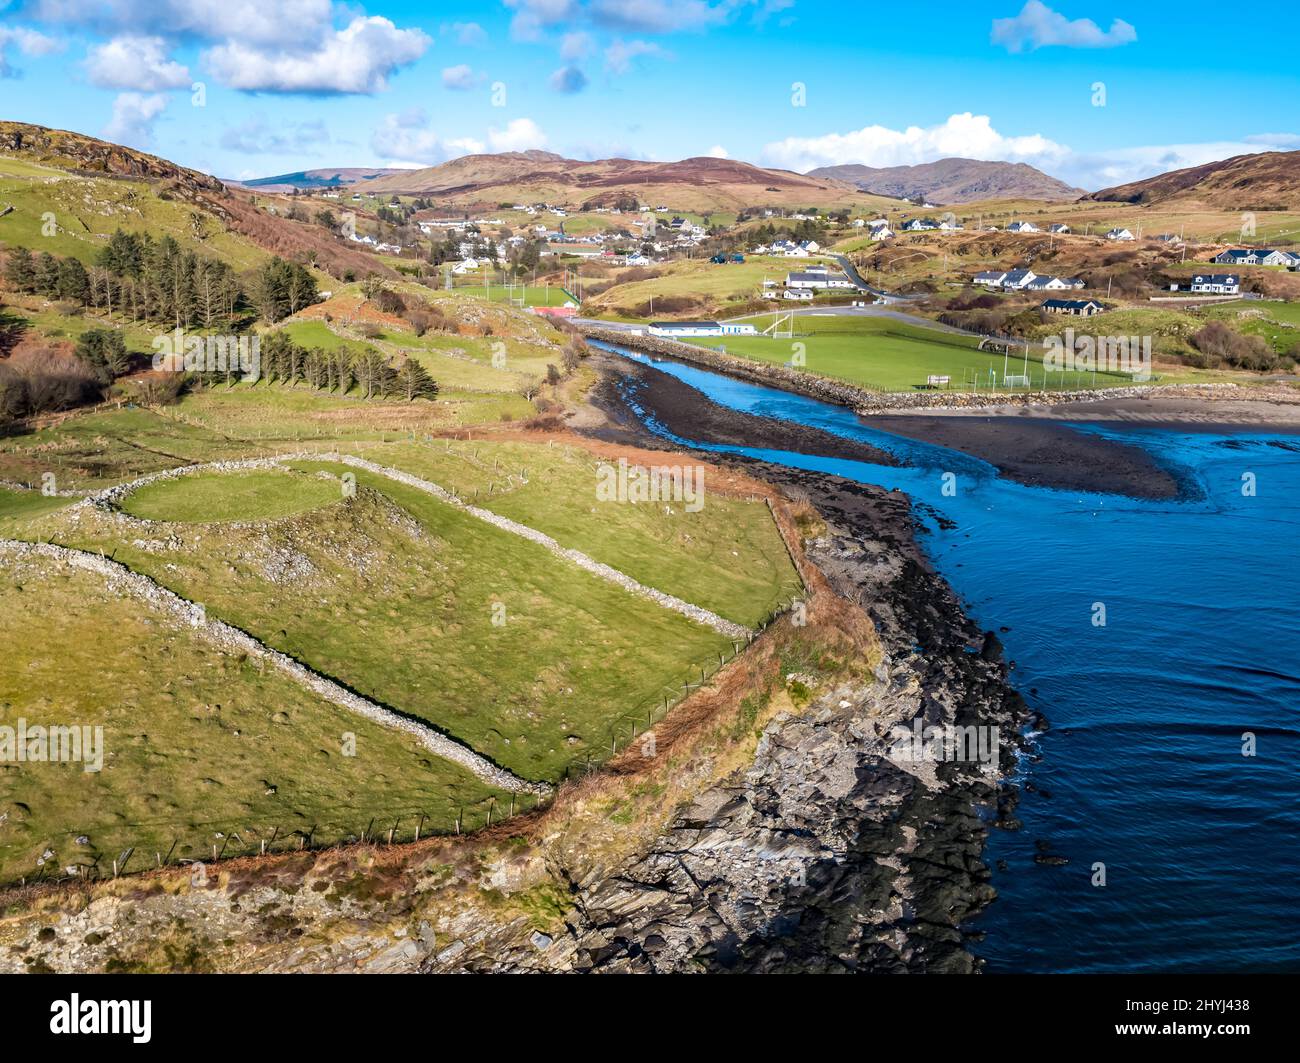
<point>994,276</point>
<point>1059,227</point>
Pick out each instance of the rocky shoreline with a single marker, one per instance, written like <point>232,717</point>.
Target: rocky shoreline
<point>880,865</point>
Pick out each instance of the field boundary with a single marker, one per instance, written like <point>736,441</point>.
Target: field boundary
<point>229,638</point>
<point>111,499</point>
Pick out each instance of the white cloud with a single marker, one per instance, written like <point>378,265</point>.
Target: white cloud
<point>620,54</point>
<point>407,139</point>
<point>139,63</point>
<point>284,23</point>
<point>662,16</point>
<point>459,78</point>
<point>469,34</point>
<point>534,17</point>
<point>134,114</point>
<point>357,59</point>
<point>718,152</point>
<point>964,135</point>
<point>1038,26</point>
<point>577,45</point>
<point>520,134</point>
<point>973,137</point>
<point>568,79</point>
<point>28,42</point>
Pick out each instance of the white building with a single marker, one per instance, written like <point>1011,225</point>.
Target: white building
<point>678,329</point>
<point>1022,227</point>
<point>1217,284</point>
<point>1120,234</point>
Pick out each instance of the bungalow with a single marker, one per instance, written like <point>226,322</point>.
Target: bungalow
<point>817,278</point>
<point>880,230</point>
<point>913,225</point>
<point>1050,284</point>
<point>1059,228</point>
<point>797,293</point>
<point>991,278</point>
<point>1022,227</point>
<point>1259,256</point>
<point>1078,307</point>
<point>1217,284</point>
<point>1018,279</point>
<point>1120,234</point>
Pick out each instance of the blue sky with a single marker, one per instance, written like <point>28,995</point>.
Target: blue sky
<point>1093,91</point>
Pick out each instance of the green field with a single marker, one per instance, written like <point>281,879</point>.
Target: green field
<point>726,557</point>
<point>258,494</point>
<point>200,747</point>
<point>394,593</point>
<point>540,295</point>
<point>887,355</point>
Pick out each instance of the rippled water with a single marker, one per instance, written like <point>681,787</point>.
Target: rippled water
<point>1142,769</point>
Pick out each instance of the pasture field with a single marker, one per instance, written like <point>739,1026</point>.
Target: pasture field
<point>474,287</point>
<point>200,747</point>
<point>419,606</point>
<point>106,446</point>
<point>255,494</point>
<point>87,210</point>
<point>887,355</point>
<point>728,557</point>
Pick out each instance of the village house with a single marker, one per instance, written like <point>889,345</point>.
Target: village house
<point>1053,284</point>
<point>914,225</point>
<point>1259,256</point>
<point>1060,228</point>
<point>817,278</point>
<point>1077,307</point>
<point>1216,284</point>
<point>1120,234</point>
<point>797,294</point>
<point>1022,227</point>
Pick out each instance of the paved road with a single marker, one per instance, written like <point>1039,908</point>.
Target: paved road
<point>851,271</point>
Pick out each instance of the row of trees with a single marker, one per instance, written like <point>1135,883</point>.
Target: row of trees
<point>158,281</point>
<point>340,370</point>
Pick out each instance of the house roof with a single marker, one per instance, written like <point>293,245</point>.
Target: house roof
<point>1216,278</point>
<point>1070,304</point>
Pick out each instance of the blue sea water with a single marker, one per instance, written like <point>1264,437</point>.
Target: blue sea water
<point>1142,769</point>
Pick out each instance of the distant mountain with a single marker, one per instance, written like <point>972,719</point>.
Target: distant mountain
<point>323,178</point>
<point>1267,181</point>
<point>953,181</point>
<point>698,184</point>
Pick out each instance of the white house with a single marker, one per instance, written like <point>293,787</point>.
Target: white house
<point>1018,278</point>
<point>1120,234</point>
<point>1048,284</point>
<point>797,293</point>
<point>913,225</point>
<point>1217,284</point>
<point>880,230</point>
<point>817,278</point>
<point>1059,228</point>
<point>465,266</point>
<point>991,278</point>
<point>1022,227</point>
